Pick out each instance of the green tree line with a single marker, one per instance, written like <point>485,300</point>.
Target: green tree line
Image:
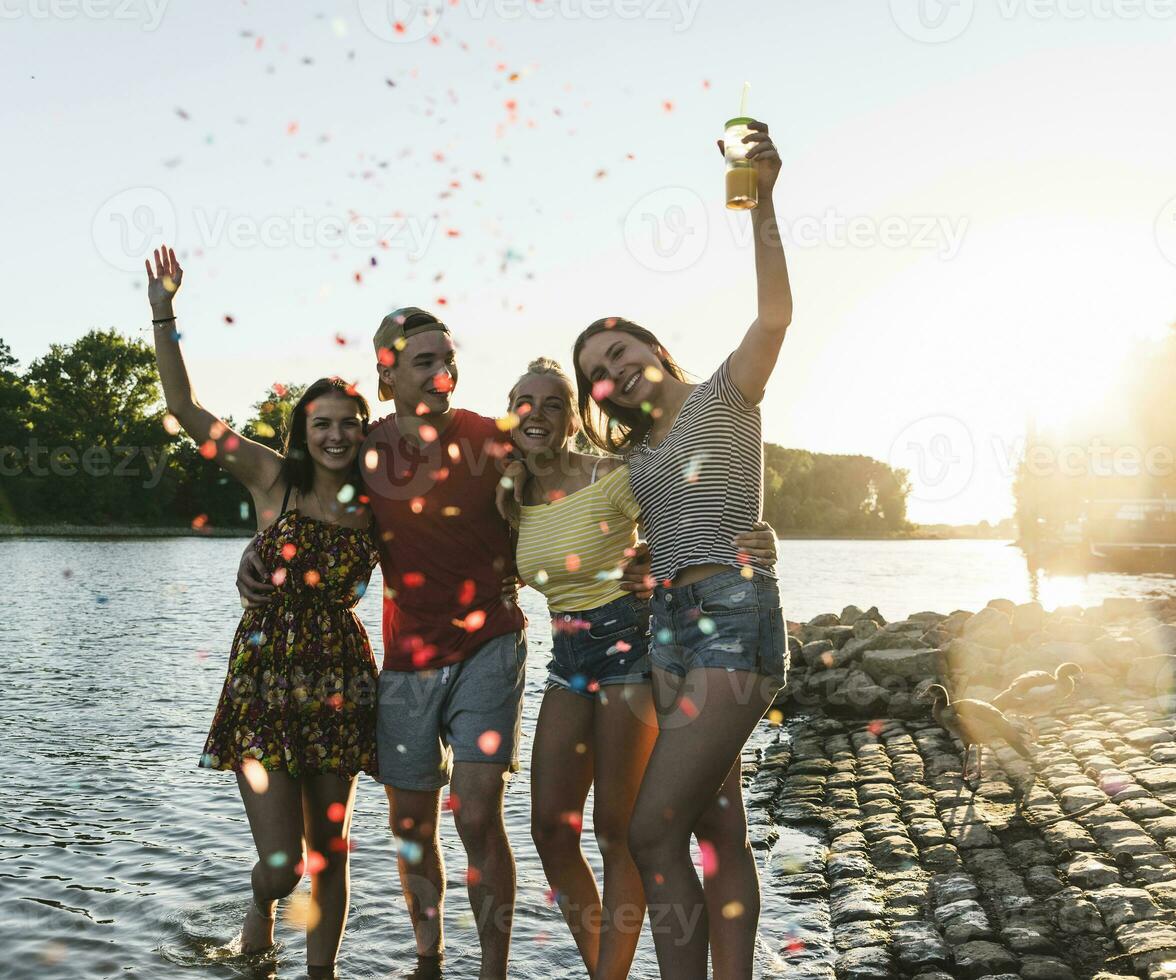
<point>83,442</point>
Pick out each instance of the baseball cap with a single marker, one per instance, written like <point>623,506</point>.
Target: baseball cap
<point>397,327</point>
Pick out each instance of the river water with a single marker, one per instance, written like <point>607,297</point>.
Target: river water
<point>119,856</point>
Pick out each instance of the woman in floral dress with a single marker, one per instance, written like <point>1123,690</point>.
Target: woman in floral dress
<point>296,718</point>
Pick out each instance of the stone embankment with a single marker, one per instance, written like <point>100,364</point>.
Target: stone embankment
<point>915,875</point>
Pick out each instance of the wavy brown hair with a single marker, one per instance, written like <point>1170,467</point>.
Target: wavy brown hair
<point>613,428</point>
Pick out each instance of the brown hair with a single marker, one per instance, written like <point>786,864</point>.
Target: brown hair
<point>613,428</point>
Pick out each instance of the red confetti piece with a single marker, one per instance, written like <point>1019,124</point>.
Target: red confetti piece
<point>336,812</point>
<point>443,382</point>
<point>313,864</point>
<point>489,741</point>
<point>278,577</point>
<point>473,876</point>
<point>229,319</point>
<point>574,819</point>
<point>474,622</point>
<point>688,708</point>
<point>452,803</point>
<point>465,595</point>
<point>623,647</point>
<point>602,389</point>
<point>417,504</point>
<point>453,233</point>
<point>710,860</point>
<point>428,433</point>
<point>442,301</point>
<point>668,106</point>
<point>386,357</point>
<point>208,449</point>
<point>199,521</point>
<point>289,551</point>
<point>413,580</point>
<point>572,563</point>
<point>311,578</point>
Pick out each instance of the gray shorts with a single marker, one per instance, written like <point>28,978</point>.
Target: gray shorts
<point>469,712</point>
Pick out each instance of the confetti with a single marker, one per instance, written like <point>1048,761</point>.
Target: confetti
<point>171,425</point>
<point>313,864</point>
<point>489,741</point>
<point>413,580</point>
<point>732,910</point>
<point>289,550</point>
<point>710,860</point>
<point>311,577</point>
<point>255,775</point>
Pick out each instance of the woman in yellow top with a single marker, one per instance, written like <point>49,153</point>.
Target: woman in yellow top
<point>577,526</point>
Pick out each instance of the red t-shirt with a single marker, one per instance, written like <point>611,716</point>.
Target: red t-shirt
<point>444,548</point>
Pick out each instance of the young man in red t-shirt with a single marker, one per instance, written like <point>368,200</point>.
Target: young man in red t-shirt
<point>455,649</point>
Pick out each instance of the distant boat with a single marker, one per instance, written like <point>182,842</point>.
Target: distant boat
<point>1132,534</point>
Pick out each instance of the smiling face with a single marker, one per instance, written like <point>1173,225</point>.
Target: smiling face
<point>621,368</point>
<point>424,374</point>
<point>334,431</point>
<point>546,420</point>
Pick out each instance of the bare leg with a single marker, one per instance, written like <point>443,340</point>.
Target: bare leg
<point>414,816</point>
<point>732,886</point>
<point>275,819</point>
<point>478,787</point>
<point>560,778</point>
<point>624,733</point>
<point>695,750</point>
<point>327,804</point>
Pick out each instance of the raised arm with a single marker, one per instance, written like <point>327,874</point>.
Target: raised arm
<point>755,359</point>
<point>255,465</point>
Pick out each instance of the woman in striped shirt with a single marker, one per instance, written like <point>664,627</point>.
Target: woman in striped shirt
<point>719,646</point>
<point>577,527</point>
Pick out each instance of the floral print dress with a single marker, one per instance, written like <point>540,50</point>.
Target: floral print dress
<point>301,689</point>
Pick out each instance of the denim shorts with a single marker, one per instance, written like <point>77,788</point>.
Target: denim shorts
<point>605,645</point>
<point>725,620</point>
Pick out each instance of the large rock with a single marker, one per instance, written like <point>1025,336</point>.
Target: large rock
<point>850,615</point>
<point>983,959</point>
<point>918,946</point>
<point>1028,618</point>
<point>990,627</point>
<point>910,665</point>
<point>1153,675</point>
<point>1119,905</point>
<point>1160,640</point>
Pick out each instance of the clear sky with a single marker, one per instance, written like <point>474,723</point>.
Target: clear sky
<point>980,197</point>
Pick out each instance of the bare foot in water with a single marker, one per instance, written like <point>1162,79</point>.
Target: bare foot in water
<point>257,932</point>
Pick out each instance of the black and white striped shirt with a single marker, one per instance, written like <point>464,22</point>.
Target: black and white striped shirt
<point>703,483</point>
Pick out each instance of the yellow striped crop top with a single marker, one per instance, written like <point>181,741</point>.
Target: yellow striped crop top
<point>572,549</point>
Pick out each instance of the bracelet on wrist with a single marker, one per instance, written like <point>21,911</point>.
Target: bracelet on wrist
<point>163,319</point>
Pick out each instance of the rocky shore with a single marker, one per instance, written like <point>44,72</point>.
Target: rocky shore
<point>903,870</point>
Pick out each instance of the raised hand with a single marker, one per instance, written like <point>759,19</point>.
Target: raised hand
<point>763,154</point>
<point>164,282</point>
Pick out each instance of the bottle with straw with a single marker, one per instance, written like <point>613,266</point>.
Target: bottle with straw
<point>742,182</point>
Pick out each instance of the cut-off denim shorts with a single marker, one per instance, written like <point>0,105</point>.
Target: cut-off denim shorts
<point>602,646</point>
<point>724,620</point>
